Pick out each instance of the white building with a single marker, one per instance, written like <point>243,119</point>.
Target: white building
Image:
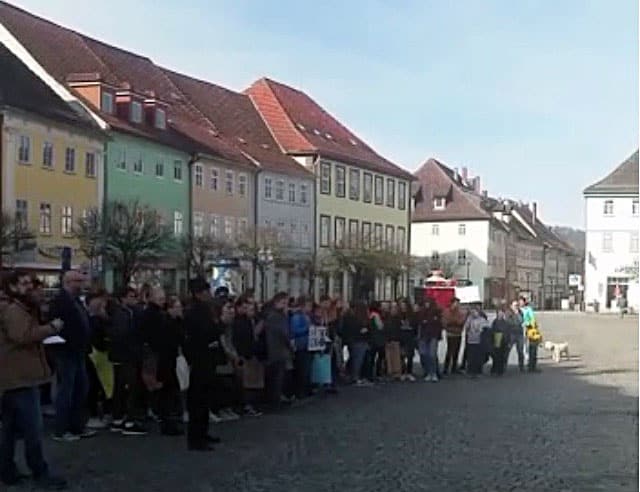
<point>611,260</point>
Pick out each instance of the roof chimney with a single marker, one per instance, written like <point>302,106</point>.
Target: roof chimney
<point>534,211</point>
<point>476,185</point>
<point>465,173</point>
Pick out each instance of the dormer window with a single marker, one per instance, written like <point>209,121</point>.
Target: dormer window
<point>136,112</point>
<point>106,103</point>
<point>161,119</point>
<point>439,203</point>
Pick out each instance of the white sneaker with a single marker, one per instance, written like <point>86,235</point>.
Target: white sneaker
<point>96,424</point>
<point>214,418</point>
<point>434,379</point>
<point>427,379</point>
<point>411,377</point>
<point>227,414</point>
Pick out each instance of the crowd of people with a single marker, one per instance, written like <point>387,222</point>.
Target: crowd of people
<point>127,362</point>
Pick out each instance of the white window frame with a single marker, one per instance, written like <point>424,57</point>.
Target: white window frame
<point>378,190</point>
<point>341,181</point>
<point>367,191</point>
<point>462,229</point>
<point>178,223</point>
<point>268,188</point>
<point>439,203</point>
<point>229,228</point>
<point>198,224</point>
<point>122,162</point>
<point>214,179</point>
<point>280,190</point>
<point>401,238</point>
<point>22,213</point>
<point>90,167</point>
<point>608,209</point>
<point>198,178</point>
<point>633,242</point>
<point>214,225</point>
<point>389,237</point>
<point>45,218</point>
<point>160,167</point>
<point>47,155</point>
<point>635,207</point>
<point>135,112</point>
<point>325,231</point>
<point>325,177</point>
<point>242,184</point>
<point>106,102</point>
<point>229,181</point>
<point>391,193</point>
<point>138,165</point>
<point>304,194</point>
<point>70,160</point>
<point>161,119</point>
<point>66,220</point>
<point>462,257</point>
<point>177,170</point>
<point>435,229</point>
<point>402,195</point>
<point>354,184</point>
<point>340,224</point>
<point>292,193</point>
<point>24,149</point>
<point>607,242</point>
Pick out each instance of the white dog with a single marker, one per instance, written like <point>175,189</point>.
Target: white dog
<point>559,350</point>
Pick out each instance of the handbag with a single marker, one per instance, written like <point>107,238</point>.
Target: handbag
<point>182,372</point>
<point>253,374</point>
<point>321,369</point>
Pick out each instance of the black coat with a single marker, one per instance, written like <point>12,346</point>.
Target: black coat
<point>202,347</point>
<point>243,338</point>
<point>125,338</point>
<point>76,330</point>
<point>161,334</point>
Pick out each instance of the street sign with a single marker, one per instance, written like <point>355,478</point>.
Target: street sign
<point>575,280</point>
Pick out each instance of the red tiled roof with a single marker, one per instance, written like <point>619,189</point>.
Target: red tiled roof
<point>462,203</point>
<point>301,126</point>
<point>235,116</point>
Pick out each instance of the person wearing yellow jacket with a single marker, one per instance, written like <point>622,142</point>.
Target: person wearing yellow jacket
<point>534,337</point>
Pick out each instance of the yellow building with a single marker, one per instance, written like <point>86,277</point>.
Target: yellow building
<point>52,172</point>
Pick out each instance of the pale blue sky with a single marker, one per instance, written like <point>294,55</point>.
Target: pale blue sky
<point>540,98</point>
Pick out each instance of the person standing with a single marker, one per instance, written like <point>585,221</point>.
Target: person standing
<point>377,334</point>
<point>530,326</point>
<point>515,334</point>
<point>24,368</point>
<point>279,348</point>
<point>70,360</point>
<point>202,351</point>
<point>125,353</point>
<point>244,341</point>
<point>408,334</point>
<point>429,333</point>
<point>300,322</point>
<point>474,326</point>
<point>453,320</point>
<point>499,333</point>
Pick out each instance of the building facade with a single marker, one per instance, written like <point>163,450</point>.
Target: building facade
<point>360,196</point>
<point>611,263</point>
<point>52,168</point>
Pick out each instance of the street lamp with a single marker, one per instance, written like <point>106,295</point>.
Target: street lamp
<point>264,259</point>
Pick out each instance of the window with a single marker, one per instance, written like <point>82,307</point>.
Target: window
<point>435,256</point>
<point>379,190</point>
<point>214,225</point>
<point>24,150</point>
<point>462,257</point>
<point>177,223</point>
<point>106,103</point>
<point>198,224</point>
<point>177,170</point>
<point>607,242</point>
<point>90,165</point>
<point>292,192</point>
<point>401,240</point>
<point>293,234</point>
<point>325,177</point>
<point>136,112</point>
<point>366,235</point>
<point>228,227</point>
<point>122,162</point>
<point>229,179</point>
<point>305,236</point>
<point>367,186</point>
<point>354,184</point>
<point>70,160</point>
<point>197,175</point>
<point>608,207</point>
<point>67,220</point>
<point>325,228</point>
<point>243,227</point>
<point>242,184</point>
<point>47,155</point>
<point>339,232</point>
<point>391,192</point>
<point>435,230</point>
<point>161,119</point>
<point>377,233</point>
<point>389,239</point>
<point>160,169</point>
<point>304,197</point>
<point>340,182</point>
<point>353,233</point>
<point>138,167</point>
<point>268,188</point>
<point>213,179</point>
<point>633,247</point>
<point>279,190</point>
<point>402,195</point>
<point>45,218</point>
<point>439,203</point>
<point>634,208</point>
<point>22,214</point>
<point>280,229</point>
<point>462,229</point>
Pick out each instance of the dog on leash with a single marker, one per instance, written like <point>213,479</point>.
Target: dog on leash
<point>558,350</point>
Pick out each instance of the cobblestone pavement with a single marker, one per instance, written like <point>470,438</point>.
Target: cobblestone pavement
<point>574,427</point>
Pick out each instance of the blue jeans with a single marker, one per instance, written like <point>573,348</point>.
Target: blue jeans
<point>357,354</point>
<point>71,394</point>
<point>428,350</point>
<point>518,341</point>
<point>21,415</point>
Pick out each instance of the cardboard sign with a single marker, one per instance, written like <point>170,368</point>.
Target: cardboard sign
<point>317,338</point>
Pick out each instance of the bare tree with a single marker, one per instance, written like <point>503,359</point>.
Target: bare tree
<point>395,265</point>
<point>198,252</point>
<point>127,234</point>
<point>15,237</point>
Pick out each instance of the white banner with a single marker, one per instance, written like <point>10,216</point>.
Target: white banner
<point>317,338</point>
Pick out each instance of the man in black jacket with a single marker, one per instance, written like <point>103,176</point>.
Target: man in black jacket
<point>203,351</point>
<point>71,370</point>
<point>125,353</point>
